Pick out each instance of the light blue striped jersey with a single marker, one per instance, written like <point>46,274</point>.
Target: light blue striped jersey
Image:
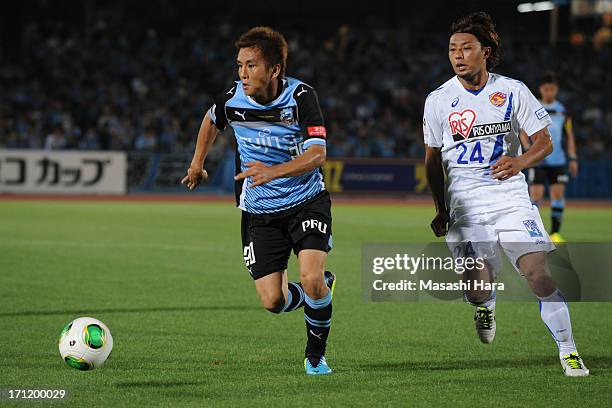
<point>560,119</point>
<point>273,134</point>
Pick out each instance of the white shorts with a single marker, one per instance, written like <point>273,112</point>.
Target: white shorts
<point>517,232</point>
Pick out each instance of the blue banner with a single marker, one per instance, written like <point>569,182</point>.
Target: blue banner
<point>373,175</point>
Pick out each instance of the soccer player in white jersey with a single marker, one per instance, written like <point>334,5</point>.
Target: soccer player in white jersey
<point>471,129</point>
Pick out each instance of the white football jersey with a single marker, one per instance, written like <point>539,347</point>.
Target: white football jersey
<point>474,129</point>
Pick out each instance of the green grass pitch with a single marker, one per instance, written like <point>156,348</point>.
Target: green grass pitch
<point>169,281</point>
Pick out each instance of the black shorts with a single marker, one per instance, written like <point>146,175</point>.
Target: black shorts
<point>267,239</point>
<point>548,175</point>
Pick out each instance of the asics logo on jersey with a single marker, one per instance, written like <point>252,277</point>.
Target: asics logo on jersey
<point>461,122</point>
<point>240,114</point>
<point>302,90</point>
<point>310,224</point>
<point>455,102</point>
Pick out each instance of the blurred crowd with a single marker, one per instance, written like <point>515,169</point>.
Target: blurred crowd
<point>130,87</point>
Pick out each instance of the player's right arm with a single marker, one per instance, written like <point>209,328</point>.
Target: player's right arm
<point>214,121</point>
<point>206,136</point>
<point>433,136</point>
<point>435,179</point>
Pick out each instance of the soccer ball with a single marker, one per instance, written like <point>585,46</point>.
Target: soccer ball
<point>85,343</point>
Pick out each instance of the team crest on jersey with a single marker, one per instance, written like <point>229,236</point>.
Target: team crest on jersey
<point>286,116</point>
<point>498,99</point>
<point>532,228</point>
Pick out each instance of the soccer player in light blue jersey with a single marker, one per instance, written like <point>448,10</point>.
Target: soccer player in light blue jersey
<point>553,169</point>
<point>281,146</point>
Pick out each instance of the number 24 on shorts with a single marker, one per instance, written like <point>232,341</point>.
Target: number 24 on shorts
<point>476,154</point>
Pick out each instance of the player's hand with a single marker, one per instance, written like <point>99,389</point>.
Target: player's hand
<point>439,225</point>
<point>259,173</point>
<point>506,167</point>
<point>194,177</point>
<point>573,168</point>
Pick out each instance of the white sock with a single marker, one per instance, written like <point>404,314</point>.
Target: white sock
<point>555,315</point>
<point>490,302</point>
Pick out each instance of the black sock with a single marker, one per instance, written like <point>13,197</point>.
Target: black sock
<point>295,297</point>
<point>556,211</point>
<point>317,314</point>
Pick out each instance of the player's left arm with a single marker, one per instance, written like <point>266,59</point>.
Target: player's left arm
<point>313,128</point>
<point>532,119</point>
<point>541,146</point>
<point>525,142</point>
<point>260,173</point>
<point>572,154</point>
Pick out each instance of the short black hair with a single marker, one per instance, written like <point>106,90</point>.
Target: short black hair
<point>549,77</point>
<point>271,44</point>
<point>481,26</point>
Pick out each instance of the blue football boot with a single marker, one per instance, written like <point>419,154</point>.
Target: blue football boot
<point>321,369</point>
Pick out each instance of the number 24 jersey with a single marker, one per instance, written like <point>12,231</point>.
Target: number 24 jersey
<point>474,129</point>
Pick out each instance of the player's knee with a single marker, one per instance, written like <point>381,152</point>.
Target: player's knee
<point>540,281</point>
<point>533,271</point>
<point>314,285</point>
<point>273,304</point>
<point>533,265</point>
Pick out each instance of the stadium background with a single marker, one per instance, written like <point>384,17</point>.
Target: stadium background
<point>168,278</point>
<point>138,76</point>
